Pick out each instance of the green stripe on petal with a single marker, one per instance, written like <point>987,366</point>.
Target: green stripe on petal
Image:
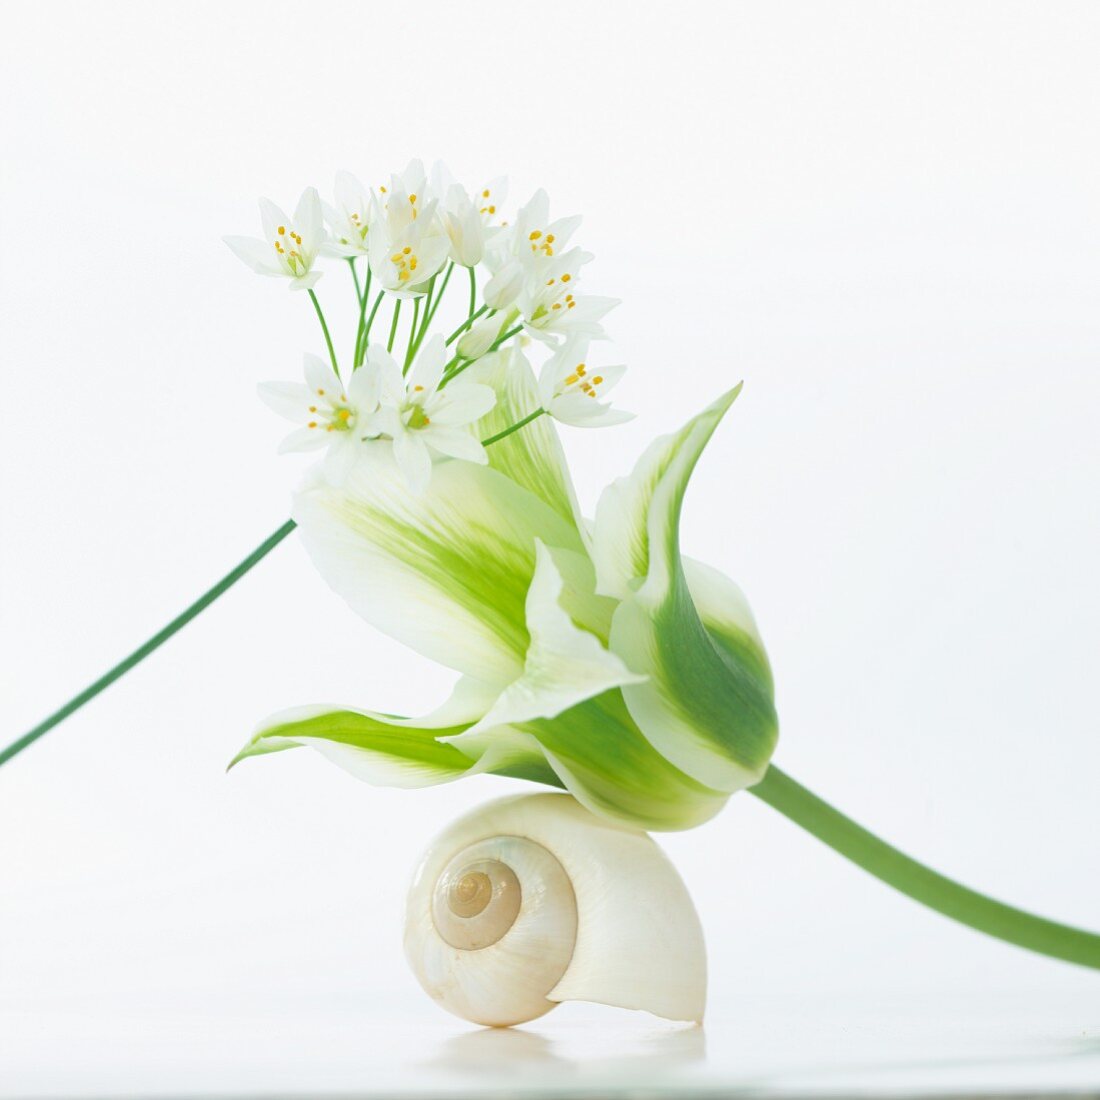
<point>707,703</point>
<point>602,758</point>
<point>725,613</point>
<point>532,457</point>
<point>564,664</point>
<point>387,751</point>
<point>446,571</point>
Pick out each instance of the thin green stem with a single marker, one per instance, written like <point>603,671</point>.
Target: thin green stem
<point>366,331</point>
<point>360,328</point>
<point>355,277</point>
<point>504,337</point>
<point>465,325</point>
<point>393,325</point>
<point>430,316</point>
<point>410,347</point>
<point>1047,937</point>
<point>513,428</point>
<point>324,329</point>
<point>473,291</point>
<point>456,364</point>
<point>143,651</point>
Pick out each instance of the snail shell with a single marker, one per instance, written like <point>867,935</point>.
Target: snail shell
<point>532,900</point>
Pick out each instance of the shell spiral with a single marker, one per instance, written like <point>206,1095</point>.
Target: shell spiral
<point>532,900</point>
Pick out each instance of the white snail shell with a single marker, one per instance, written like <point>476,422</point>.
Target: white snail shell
<point>532,900</point>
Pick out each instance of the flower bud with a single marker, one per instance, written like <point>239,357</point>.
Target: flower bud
<point>479,338</point>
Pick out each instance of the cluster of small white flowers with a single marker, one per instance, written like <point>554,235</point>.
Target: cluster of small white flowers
<point>409,235</point>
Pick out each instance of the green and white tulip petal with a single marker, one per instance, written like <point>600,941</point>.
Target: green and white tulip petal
<point>445,571</point>
<point>387,751</point>
<point>564,664</point>
<point>532,457</point>
<point>601,757</point>
<point>706,704</point>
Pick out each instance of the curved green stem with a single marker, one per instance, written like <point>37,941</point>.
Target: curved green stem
<point>1047,937</point>
<point>410,347</point>
<point>324,329</point>
<point>512,428</point>
<point>474,315</point>
<point>355,279</point>
<point>361,350</point>
<point>143,651</point>
<point>393,325</point>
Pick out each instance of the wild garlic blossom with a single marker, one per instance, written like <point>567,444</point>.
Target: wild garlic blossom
<point>290,245</point>
<point>408,385</point>
<point>348,218</point>
<point>421,419</point>
<point>573,391</point>
<point>331,415</point>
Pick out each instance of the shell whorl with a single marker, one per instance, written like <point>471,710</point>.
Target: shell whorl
<point>532,900</point>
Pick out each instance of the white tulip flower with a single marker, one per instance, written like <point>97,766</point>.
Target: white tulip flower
<point>571,390</point>
<point>421,416</point>
<point>291,244</point>
<point>349,219</point>
<point>331,414</point>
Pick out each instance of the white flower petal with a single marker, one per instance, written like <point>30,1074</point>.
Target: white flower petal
<point>289,399</point>
<point>456,443</point>
<point>257,254</point>
<point>564,665</point>
<point>462,403</point>
<point>342,456</point>
<point>321,378</point>
<point>445,572</point>
<point>427,369</point>
<point>304,439</point>
<point>308,220</point>
<point>414,460</point>
<point>272,218</point>
<point>391,385</point>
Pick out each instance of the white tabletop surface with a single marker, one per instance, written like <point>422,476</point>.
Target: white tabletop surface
<point>818,1045</point>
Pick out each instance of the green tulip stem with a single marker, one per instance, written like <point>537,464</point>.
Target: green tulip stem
<point>831,827</point>
<point>155,642</point>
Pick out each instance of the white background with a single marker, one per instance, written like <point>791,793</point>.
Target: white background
<point>883,217</point>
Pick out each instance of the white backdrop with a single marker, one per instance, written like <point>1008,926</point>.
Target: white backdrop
<point>882,216</point>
